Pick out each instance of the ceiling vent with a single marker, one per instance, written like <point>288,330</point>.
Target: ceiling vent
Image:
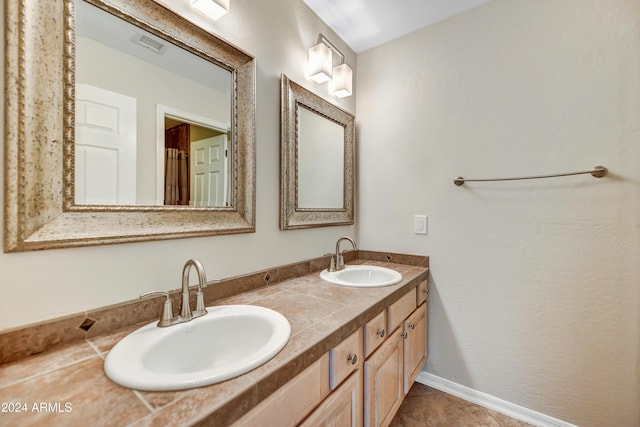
<point>149,43</point>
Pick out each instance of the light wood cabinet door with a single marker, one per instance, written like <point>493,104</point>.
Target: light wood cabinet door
<point>415,345</point>
<point>343,408</point>
<point>383,382</point>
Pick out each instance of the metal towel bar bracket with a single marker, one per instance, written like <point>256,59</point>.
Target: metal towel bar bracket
<point>596,172</point>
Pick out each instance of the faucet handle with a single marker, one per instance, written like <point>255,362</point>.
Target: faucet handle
<point>200,309</point>
<point>166,315</point>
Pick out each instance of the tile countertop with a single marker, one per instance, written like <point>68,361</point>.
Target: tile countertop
<point>67,386</point>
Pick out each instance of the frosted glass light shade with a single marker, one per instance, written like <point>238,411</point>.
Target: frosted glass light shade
<point>214,9</point>
<point>320,62</point>
<point>342,82</point>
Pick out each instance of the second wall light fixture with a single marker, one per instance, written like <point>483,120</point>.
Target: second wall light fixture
<point>321,69</point>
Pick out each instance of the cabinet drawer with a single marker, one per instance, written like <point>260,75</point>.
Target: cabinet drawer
<point>345,358</point>
<point>400,310</point>
<point>422,292</point>
<point>288,405</point>
<point>375,332</point>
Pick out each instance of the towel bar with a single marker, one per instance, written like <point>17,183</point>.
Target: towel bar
<point>596,172</point>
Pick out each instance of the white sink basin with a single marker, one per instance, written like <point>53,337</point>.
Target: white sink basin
<point>228,341</point>
<point>364,276</point>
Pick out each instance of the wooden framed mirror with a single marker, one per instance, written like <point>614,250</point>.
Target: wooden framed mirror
<point>317,160</point>
<point>41,206</point>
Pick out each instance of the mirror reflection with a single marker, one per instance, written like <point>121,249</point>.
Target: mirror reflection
<point>320,161</point>
<point>153,120</point>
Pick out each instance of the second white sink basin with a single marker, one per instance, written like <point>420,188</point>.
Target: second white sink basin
<point>364,276</point>
<point>226,342</point>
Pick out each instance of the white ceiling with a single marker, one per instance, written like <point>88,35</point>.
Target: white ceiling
<point>364,24</point>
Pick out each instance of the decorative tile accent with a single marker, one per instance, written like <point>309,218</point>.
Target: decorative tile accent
<point>87,324</point>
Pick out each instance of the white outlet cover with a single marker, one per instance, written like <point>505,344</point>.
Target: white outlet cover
<point>420,224</point>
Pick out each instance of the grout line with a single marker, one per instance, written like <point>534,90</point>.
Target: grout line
<point>94,347</point>
<point>144,401</point>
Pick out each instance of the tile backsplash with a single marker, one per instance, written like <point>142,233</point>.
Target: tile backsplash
<point>37,338</point>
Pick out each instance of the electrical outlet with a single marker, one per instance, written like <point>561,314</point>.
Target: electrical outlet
<point>420,224</point>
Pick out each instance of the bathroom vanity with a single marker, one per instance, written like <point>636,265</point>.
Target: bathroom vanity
<point>362,379</point>
<point>352,356</point>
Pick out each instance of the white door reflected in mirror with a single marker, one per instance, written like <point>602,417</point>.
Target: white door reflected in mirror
<point>105,154</point>
<point>208,167</point>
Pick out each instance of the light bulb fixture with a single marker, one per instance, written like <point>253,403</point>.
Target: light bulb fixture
<point>321,68</point>
<point>341,82</point>
<point>214,9</point>
<point>320,63</point>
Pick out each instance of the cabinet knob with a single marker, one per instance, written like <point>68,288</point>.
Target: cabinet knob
<point>353,358</point>
<point>380,333</point>
<point>412,326</point>
<point>404,335</point>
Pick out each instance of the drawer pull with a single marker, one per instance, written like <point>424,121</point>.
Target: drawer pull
<point>380,333</point>
<point>353,358</point>
<point>404,335</point>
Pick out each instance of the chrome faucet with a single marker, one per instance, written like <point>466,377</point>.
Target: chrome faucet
<point>185,312</point>
<point>339,257</point>
<point>166,317</point>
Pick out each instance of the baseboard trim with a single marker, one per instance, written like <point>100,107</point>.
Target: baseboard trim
<point>491,402</point>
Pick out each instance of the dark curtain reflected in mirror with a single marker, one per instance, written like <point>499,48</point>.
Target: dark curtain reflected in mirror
<point>196,163</point>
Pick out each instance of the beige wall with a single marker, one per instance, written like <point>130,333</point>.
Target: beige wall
<point>41,285</point>
<point>536,284</point>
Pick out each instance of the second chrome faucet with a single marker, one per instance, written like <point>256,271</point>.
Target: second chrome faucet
<point>166,317</point>
<point>339,257</point>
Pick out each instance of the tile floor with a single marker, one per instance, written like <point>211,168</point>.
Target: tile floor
<point>427,407</point>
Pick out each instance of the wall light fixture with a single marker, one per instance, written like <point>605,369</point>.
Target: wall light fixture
<point>214,9</point>
<point>321,68</point>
